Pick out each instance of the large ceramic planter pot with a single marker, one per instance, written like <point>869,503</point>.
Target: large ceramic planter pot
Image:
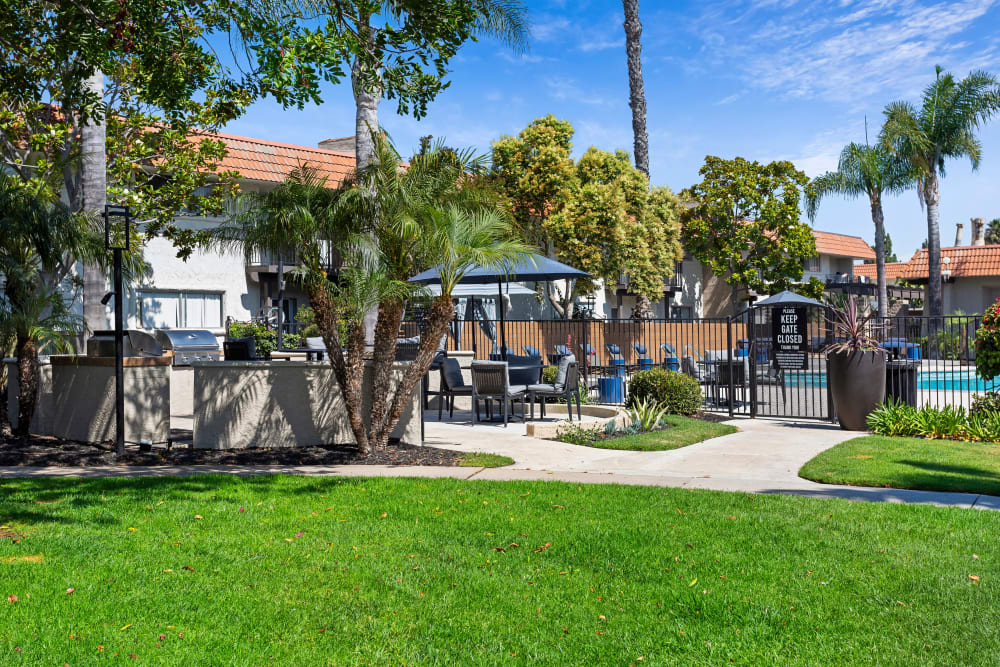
<point>857,382</point>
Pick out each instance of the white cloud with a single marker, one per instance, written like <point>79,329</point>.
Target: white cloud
<point>879,50</point>
<point>565,89</point>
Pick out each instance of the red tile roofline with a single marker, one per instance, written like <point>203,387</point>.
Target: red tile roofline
<point>278,144</point>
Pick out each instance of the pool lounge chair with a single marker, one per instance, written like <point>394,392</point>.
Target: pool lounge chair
<point>671,360</point>
<point>643,358</point>
<point>615,358</point>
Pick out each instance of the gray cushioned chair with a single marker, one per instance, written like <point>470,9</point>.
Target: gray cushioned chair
<point>566,386</point>
<point>490,381</point>
<point>452,385</point>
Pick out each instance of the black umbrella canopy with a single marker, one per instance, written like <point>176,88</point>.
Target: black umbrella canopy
<point>788,298</point>
<point>533,267</point>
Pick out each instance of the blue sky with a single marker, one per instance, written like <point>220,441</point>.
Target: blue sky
<point>766,79</point>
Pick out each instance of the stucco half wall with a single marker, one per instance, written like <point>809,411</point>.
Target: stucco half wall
<point>245,404</point>
<point>76,398</point>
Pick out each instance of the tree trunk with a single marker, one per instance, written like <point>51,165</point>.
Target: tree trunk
<point>932,197</point>
<point>883,290</point>
<point>27,384</point>
<point>350,371</point>
<point>441,313</point>
<point>641,309</point>
<point>93,197</point>
<point>366,99</point>
<point>384,356</point>
<point>637,94</point>
<point>563,303</point>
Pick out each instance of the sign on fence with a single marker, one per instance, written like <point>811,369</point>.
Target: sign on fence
<point>789,326</point>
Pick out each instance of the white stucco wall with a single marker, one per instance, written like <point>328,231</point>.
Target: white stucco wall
<point>970,295</point>
<point>203,271</point>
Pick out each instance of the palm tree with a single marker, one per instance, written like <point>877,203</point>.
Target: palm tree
<point>637,93</point>
<point>92,196</point>
<point>40,241</point>
<point>944,127</point>
<point>424,219</point>
<point>870,171</point>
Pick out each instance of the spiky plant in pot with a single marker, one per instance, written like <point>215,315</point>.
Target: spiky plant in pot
<point>856,362</point>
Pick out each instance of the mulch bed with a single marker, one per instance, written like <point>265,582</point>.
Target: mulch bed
<point>43,451</point>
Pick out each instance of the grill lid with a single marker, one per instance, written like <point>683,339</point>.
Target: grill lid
<point>187,339</point>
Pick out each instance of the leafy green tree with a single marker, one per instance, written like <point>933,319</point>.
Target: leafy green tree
<point>993,232</point>
<point>597,214</point>
<point>943,127</point>
<point>869,171</point>
<point>745,224</point>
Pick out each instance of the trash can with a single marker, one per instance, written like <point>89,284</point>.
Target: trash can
<point>901,381</point>
<point>609,390</point>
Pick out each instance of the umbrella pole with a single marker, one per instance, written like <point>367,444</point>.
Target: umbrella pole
<point>503,334</point>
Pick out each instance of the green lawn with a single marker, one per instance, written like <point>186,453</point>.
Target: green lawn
<point>909,463</point>
<point>484,460</point>
<point>226,570</point>
<point>684,431</point>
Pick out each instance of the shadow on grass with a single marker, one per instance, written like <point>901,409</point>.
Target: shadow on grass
<point>976,473</point>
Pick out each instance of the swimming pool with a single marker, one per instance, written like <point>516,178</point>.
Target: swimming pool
<point>964,379</point>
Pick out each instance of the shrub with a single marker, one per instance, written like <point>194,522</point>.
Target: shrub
<point>576,434</point>
<point>306,316</point>
<point>987,403</point>
<point>678,393</point>
<point>265,340</point>
<point>646,414</point>
<point>894,418</point>
<point>988,343</point>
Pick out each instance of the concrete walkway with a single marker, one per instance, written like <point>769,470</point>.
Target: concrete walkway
<point>763,457</point>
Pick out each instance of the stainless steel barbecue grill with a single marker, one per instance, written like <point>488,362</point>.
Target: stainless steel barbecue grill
<point>189,345</point>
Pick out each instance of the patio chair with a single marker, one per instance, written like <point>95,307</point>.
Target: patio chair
<point>643,358</point>
<point>452,385</point>
<point>566,386</point>
<point>615,358</point>
<point>531,351</point>
<point>671,360</point>
<point>490,381</point>
<point>590,359</point>
<point>524,369</point>
<point>561,351</point>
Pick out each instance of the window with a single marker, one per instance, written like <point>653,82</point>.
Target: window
<point>681,312</point>
<point>812,264</point>
<point>180,310</point>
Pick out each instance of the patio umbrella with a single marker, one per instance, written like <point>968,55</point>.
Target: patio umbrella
<point>788,298</point>
<point>532,267</point>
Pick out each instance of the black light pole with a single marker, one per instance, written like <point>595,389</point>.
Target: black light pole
<point>123,213</point>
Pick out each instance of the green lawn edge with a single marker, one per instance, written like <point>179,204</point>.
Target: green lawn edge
<point>484,460</point>
<point>909,463</point>
<point>685,431</point>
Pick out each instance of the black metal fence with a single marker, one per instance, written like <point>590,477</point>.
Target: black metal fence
<point>932,360</point>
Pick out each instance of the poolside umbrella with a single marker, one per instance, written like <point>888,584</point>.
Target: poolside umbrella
<point>788,298</point>
<point>532,267</point>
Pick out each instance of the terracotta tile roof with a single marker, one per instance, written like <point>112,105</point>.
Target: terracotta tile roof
<point>964,261</point>
<point>893,270</point>
<point>842,245</point>
<point>271,161</point>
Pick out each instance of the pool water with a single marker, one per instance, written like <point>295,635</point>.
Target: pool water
<point>959,380</point>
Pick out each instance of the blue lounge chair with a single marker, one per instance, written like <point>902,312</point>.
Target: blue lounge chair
<point>671,360</point>
<point>643,358</point>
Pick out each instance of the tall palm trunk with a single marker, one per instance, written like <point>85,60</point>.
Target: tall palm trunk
<point>880,278</point>
<point>932,198</point>
<point>637,93</point>
<point>27,383</point>
<point>366,99</point>
<point>93,197</point>
<point>386,330</point>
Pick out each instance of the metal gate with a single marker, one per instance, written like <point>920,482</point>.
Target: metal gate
<point>779,382</point>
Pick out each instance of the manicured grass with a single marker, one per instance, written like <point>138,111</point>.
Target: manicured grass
<point>684,431</point>
<point>390,571</point>
<point>909,463</point>
<point>484,460</point>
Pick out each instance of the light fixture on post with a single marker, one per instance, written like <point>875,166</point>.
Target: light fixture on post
<point>112,216</point>
<point>946,271</point>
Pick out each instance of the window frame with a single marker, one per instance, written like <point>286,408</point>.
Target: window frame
<point>182,296</point>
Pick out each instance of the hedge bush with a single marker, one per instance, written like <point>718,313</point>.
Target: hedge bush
<point>680,394</point>
<point>265,340</point>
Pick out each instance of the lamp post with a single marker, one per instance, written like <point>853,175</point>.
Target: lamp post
<point>115,245</point>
